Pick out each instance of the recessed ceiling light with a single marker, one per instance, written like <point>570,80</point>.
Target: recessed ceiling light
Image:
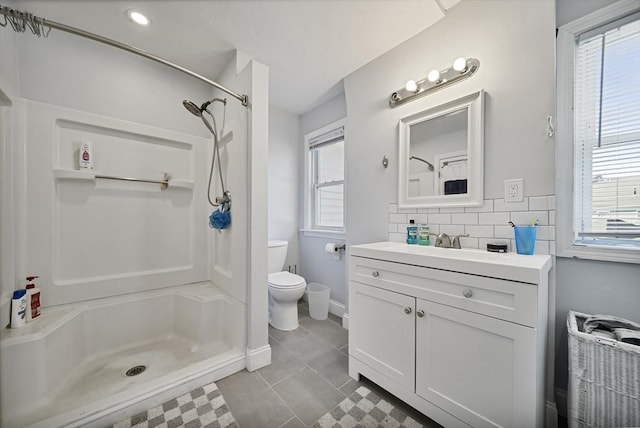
<point>138,18</point>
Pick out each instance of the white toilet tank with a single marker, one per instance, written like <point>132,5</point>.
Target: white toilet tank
<point>276,255</point>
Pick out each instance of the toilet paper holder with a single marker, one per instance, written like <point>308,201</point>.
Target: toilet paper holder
<point>334,249</point>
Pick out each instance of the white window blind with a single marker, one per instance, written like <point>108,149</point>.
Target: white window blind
<point>607,135</point>
<point>326,153</point>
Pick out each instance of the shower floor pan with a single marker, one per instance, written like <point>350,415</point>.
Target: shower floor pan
<point>184,347</point>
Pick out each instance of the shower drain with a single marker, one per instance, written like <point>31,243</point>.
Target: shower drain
<point>135,370</point>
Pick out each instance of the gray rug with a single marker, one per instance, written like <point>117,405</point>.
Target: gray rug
<point>363,408</point>
<point>202,407</point>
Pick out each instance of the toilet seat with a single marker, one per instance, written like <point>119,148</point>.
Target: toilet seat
<point>285,280</point>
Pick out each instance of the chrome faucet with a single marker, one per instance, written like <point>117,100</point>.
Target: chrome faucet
<point>443,240</point>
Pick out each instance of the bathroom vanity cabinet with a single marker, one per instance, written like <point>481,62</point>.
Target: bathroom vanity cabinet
<point>458,334</point>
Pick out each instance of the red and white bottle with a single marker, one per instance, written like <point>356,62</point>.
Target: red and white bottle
<point>85,156</point>
<point>33,300</point>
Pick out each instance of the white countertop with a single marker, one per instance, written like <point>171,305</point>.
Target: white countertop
<point>509,266</point>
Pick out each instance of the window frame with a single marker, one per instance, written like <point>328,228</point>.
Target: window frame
<point>566,47</point>
<point>310,186</point>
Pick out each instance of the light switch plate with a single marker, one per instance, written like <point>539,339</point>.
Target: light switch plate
<point>514,190</point>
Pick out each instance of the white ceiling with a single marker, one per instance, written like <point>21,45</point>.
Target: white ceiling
<point>309,45</point>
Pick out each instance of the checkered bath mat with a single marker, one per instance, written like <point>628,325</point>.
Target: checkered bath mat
<point>202,407</point>
<point>363,408</point>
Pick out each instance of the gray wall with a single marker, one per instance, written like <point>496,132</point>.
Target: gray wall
<point>569,10</point>
<point>284,180</point>
<point>589,286</point>
<point>592,287</point>
<point>501,35</point>
<point>315,264</point>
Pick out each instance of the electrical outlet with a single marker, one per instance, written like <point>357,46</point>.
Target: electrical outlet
<point>514,190</point>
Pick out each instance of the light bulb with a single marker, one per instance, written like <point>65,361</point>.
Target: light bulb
<point>433,76</point>
<point>460,64</point>
<point>138,18</point>
<point>411,86</point>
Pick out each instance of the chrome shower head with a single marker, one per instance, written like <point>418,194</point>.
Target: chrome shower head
<point>193,109</point>
<point>197,111</point>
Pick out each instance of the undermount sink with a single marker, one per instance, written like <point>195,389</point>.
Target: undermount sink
<point>510,266</point>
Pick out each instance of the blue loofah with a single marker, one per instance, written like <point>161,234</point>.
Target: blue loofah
<point>220,218</point>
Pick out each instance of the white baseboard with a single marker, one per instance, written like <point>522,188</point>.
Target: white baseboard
<point>345,321</point>
<point>551,415</point>
<point>336,308</point>
<point>258,358</point>
<point>561,402</point>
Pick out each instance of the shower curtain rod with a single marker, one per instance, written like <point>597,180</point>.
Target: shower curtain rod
<point>36,23</point>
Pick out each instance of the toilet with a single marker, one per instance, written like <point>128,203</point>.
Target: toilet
<point>285,289</point>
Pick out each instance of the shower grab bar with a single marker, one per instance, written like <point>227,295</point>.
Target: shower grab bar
<point>32,21</point>
<point>74,174</point>
<point>164,182</point>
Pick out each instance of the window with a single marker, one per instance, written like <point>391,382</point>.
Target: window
<point>325,189</point>
<point>602,128</point>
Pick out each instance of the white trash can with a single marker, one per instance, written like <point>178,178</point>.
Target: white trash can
<point>318,295</point>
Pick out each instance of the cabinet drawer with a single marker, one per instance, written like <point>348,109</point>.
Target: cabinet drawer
<point>507,300</point>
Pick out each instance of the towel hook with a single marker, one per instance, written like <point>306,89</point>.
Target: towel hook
<point>550,129</point>
<point>385,161</point>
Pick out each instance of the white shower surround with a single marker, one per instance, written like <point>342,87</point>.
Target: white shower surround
<point>68,367</point>
<point>78,81</point>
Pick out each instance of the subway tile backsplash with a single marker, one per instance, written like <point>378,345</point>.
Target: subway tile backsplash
<point>486,224</point>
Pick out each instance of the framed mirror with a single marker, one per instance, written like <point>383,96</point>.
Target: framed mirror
<point>441,155</point>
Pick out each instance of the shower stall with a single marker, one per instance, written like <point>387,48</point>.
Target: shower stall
<point>142,300</point>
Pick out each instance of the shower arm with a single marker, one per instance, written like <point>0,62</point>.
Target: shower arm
<point>33,20</point>
<point>422,160</point>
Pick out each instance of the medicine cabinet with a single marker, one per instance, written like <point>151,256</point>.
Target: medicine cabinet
<point>441,155</point>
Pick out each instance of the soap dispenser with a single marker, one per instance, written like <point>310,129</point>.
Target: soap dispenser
<point>33,300</point>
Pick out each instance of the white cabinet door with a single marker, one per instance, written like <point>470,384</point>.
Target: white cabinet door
<point>382,331</point>
<point>478,368</point>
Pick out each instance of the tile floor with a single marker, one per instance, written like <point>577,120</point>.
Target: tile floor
<point>307,378</point>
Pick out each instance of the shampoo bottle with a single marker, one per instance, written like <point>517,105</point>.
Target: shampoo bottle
<point>18,308</point>
<point>412,233</point>
<point>33,300</point>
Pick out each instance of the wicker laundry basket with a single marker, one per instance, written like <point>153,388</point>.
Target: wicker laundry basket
<point>604,379</point>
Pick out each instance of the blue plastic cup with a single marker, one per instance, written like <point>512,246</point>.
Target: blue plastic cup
<point>525,239</point>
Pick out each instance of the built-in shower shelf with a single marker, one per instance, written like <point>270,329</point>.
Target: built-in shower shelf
<point>71,174</point>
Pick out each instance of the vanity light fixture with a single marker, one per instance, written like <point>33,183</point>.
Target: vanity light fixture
<point>433,76</point>
<point>460,64</point>
<point>411,86</point>
<point>461,69</point>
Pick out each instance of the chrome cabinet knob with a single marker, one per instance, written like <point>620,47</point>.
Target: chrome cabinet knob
<point>420,313</point>
<point>467,293</point>
<point>375,274</point>
<point>407,310</point>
